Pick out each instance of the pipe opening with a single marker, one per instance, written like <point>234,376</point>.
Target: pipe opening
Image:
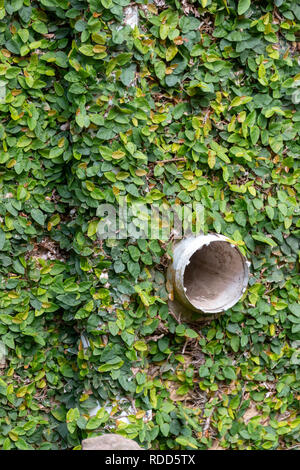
<point>214,277</point>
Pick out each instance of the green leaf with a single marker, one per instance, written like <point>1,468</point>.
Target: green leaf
<point>128,74</point>
<point>87,49</point>
<point>165,429</point>
<point>191,333</point>
<point>93,423</point>
<point>220,151</point>
<point>239,100</point>
<point>243,6</point>
<point>140,346</point>
<point>163,30</point>
<point>133,268</point>
<point>264,239</point>
<point>270,212</point>
<point>114,364</point>
<point>22,444</point>
<point>134,252</point>
<point>2,239</point>
<point>160,69</point>
<point>229,373</point>
<point>38,216</point>
<point>254,134</point>
<point>187,442</point>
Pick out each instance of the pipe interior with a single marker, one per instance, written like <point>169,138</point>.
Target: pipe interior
<point>214,276</point>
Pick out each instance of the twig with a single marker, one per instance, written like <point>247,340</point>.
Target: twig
<point>154,338</point>
<point>174,316</point>
<point>185,345</point>
<point>293,447</point>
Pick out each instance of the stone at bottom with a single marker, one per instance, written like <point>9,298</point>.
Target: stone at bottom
<point>109,442</point>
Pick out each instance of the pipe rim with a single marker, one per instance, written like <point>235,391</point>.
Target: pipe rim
<point>189,251</point>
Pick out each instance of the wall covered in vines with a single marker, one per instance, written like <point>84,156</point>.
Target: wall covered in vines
<point>198,103</point>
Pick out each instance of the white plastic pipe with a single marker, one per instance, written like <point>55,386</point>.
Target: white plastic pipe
<point>208,274</point>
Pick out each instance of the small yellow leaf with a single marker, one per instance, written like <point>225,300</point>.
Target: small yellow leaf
<point>118,154</point>
<point>252,191</point>
<point>22,391</point>
<point>140,172</point>
<point>90,186</point>
<point>98,49</point>
<point>116,190</point>
<point>61,142</point>
<point>272,329</point>
<point>211,159</point>
<point>171,52</point>
<point>11,163</point>
<point>14,436</point>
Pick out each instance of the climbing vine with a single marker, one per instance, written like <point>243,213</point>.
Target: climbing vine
<point>197,103</point>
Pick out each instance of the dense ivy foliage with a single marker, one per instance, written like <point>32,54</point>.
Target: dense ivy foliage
<point>91,111</point>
